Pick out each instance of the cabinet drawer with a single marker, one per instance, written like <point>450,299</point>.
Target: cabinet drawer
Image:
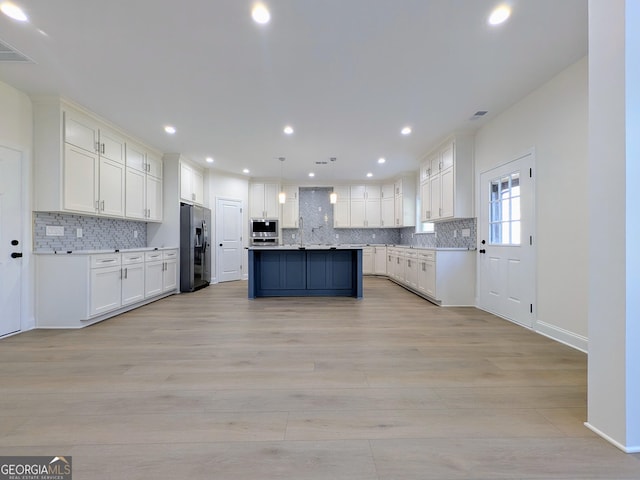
<point>132,258</point>
<point>105,260</point>
<point>169,254</point>
<point>428,256</point>
<point>152,256</point>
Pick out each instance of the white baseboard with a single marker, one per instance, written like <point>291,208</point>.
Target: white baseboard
<point>561,335</point>
<point>611,440</point>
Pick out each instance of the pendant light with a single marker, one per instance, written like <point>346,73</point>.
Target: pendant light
<point>333,196</point>
<point>282,196</point>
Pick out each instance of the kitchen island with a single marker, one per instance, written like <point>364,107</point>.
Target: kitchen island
<point>295,271</point>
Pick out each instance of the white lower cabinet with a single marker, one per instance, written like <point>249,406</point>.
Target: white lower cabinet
<point>380,260</point>
<point>367,261</point>
<point>445,277</point>
<point>105,283</point>
<point>132,278</point>
<point>98,286</point>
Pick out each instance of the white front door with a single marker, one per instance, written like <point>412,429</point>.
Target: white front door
<point>506,259</point>
<point>10,241</point>
<point>228,240</point>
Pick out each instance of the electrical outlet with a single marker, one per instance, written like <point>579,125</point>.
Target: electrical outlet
<point>54,231</point>
<point>135,234</point>
<point>337,236</point>
<point>373,235</point>
<point>78,233</point>
<point>455,233</point>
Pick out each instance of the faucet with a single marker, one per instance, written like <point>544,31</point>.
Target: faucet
<point>300,230</point>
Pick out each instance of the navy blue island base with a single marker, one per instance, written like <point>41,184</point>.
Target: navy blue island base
<point>301,272</point>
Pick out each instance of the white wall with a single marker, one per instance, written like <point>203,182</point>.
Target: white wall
<point>16,132</point>
<point>553,120</point>
<point>231,187</point>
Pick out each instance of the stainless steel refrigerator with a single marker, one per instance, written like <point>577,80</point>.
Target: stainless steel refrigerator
<point>195,247</point>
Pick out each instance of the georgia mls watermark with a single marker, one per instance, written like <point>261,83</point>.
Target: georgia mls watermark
<point>35,468</point>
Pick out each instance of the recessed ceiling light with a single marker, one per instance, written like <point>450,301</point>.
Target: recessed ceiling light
<point>209,159</point>
<point>170,129</point>
<point>288,130</point>
<point>246,170</point>
<point>381,160</point>
<point>11,10</point>
<point>260,14</point>
<point>369,175</point>
<point>500,15</point>
<point>311,174</point>
<point>405,131</point>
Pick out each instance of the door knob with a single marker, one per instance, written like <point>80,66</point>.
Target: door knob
<point>220,244</point>
<point>16,255</point>
<point>14,242</point>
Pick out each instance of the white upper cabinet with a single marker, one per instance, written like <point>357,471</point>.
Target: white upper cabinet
<point>405,201</point>
<point>365,206</point>
<point>191,183</point>
<point>143,194</point>
<point>263,200</point>
<point>387,205</point>
<point>290,208</point>
<point>342,207</point>
<point>446,186</point>
<point>80,162</point>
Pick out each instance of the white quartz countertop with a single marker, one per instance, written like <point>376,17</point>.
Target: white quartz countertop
<point>354,246</point>
<point>95,252</point>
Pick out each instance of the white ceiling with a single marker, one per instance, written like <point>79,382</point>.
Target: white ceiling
<point>346,74</point>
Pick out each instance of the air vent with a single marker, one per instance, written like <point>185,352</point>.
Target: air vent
<point>479,114</point>
<point>10,54</point>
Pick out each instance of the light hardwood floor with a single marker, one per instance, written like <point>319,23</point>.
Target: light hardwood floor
<point>211,385</point>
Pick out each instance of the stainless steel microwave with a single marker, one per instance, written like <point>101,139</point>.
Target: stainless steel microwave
<point>264,228</point>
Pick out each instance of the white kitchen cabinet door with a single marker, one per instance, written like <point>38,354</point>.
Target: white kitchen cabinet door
<point>111,188</point>
<point>367,261</point>
<point>154,165</point>
<point>380,260</point>
<point>358,213</point>
<point>425,201</point>
<point>80,180</point>
<point>448,193</point>
<point>263,200</point>
<point>153,282</point>
<point>191,184</point>
<point>387,205</point>
<point>436,196</point>
<point>111,146</point>
<point>136,157</point>
<point>411,271</point>
<point>135,194</point>
<point>290,208</point>
<point>132,283</point>
<point>427,277</point>
<point>105,292</point>
<point>153,189</point>
<point>80,131</point>
<point>170,270</point>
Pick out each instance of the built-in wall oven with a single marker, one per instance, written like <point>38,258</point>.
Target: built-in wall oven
<point>264,231</point>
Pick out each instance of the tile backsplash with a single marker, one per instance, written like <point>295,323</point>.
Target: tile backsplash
<point>317,214</point>
<point>97,233</point>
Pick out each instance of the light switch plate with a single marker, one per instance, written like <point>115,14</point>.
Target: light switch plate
<point>78,233</point>
<point>54,231</point>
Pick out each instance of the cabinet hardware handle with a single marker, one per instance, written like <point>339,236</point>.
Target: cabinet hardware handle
<point>98,205</point>
<point>125,273</point>
<point>102,149</point>
<point>96,147</point>
<point>103,205</point>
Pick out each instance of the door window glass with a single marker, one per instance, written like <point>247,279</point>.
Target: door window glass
<point>504,208</point>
